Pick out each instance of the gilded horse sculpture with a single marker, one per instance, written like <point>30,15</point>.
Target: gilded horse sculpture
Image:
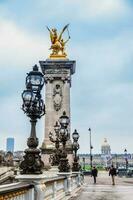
<point>58,43</point>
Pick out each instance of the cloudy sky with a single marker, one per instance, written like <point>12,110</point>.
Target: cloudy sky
<point>102,87</point>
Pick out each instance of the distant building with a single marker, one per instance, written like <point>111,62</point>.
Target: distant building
<point>106,153</point>
<point>8,159</point>
<point>105,148</point>
<point>98,160</point>
<point>10,145</point>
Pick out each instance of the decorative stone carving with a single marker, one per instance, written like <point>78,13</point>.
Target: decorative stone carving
<point>57,71</point>
<point>57,97</point>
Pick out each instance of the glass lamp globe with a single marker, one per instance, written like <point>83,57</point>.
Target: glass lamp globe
<point>75,135</point>
<point>74,144</point>
<point>62,131</point>
<point>27,97</point>
<point>35,79</point>
<point>125,151</point>
<point>64,120</point>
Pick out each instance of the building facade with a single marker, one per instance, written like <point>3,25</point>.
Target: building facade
<point>105,148</point>
<point>10,145</point>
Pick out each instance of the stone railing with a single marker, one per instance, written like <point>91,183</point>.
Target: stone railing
<point>16,191</point>
<point>5,176</point>
<point>55,188</point>
<point>58,187</point>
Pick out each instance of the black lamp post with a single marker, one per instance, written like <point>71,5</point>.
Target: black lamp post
<point>64,137</point>
<point>116,160</point>
<point>83,163</point>
<point>57,154</point>
<point>76,166</point>
<point>90,148</point>
<point>34,108</point>
<point>125,152</point>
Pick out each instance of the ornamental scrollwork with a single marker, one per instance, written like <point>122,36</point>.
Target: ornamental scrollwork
<point>57,97</point>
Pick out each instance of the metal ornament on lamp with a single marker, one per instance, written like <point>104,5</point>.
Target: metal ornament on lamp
<point>76,166</point>
<point>57,154</point>
<point>91,147</point>
<point>34,108</point>
<point>64,136</point>
<point>35,79</point>
<point>126,159</point>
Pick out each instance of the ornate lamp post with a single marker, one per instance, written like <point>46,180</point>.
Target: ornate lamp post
<point>64,136</point>
<point>34,108</point>
<point>90,148</point>
<point>56,140</point>
<point>76,166</point>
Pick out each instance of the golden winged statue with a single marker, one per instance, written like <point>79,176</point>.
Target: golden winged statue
<point>58,43</point>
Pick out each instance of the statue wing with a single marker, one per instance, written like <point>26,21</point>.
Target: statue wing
<point>51,34</point>
<point>65,27</point>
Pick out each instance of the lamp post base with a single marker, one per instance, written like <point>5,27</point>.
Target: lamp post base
<point>64,165</point>
<point>32,163</point>
<point>76,167</point>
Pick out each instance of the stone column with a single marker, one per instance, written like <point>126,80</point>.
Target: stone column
<point>57,74</point>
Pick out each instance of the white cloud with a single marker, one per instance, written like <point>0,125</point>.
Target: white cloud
<point>104,57</point>
<point>91,9</point>
<point>19,50</point>
<point>104,8</point>
<point>18,47</point>
<point>14,123</point>
<point>103,98</point>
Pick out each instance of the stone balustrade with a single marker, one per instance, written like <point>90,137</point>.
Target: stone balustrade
<point>17,191</point>
<point>6,176</point>
<point>42,188</point>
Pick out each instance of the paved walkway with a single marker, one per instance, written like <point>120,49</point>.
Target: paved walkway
<point>103,190</point>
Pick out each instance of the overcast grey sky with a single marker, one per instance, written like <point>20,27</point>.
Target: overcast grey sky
<point>102,87</point>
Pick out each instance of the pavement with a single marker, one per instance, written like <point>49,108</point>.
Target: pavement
<point>104,190</point>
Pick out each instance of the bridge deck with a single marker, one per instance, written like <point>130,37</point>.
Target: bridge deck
<point>103,190</point>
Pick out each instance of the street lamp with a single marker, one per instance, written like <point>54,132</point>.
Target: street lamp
<point>35,79</point>
<point>83,163</point>
<point>75,145</point>
<point>90,148</point>
<point>57,154</point>
<point>64,121</point>
<point>34,108</point>
<point>64,136</point>
<point>116,161</point>
<point>126,159</point>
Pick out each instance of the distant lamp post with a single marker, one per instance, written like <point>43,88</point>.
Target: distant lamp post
<point>116,161</point>
<point>75,145</point>
<point>126,158</point>
<point>57,154</point>
<point>34,108</point>
<point>91,147</point>
<point>83,163</point>
<point>64,137</point>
